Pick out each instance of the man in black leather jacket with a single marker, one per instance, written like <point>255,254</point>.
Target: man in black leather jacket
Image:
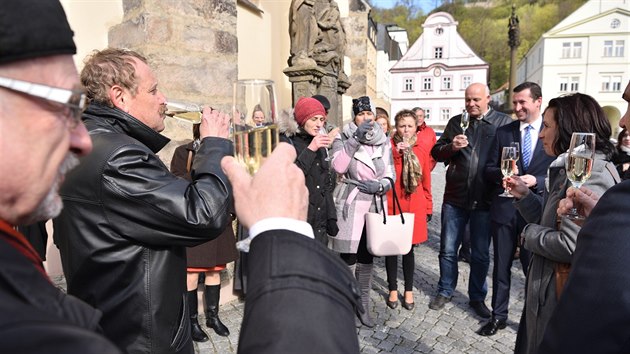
<point>127,219</point>
<point>466,198</point>
<point>42,136</point>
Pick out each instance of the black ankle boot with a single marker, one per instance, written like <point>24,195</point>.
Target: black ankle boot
<point>212,294</point>
<point>197,334</point>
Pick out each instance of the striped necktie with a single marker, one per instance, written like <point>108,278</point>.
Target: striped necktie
<point>527,147</point>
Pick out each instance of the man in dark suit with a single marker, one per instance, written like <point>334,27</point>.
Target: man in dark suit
<point>506,222</point>
<point>593,313</point>
<point>301,297</point>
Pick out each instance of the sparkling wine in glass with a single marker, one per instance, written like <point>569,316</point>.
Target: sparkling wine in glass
<point>465,121</point>
<point>579,163</point>
<point>186,111</point>
<point>517,146</point>
<point>509,156</point>
<point>322,131</point>
<point>253,142</point>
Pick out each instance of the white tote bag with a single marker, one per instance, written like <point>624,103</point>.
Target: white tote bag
<point>389,235</point>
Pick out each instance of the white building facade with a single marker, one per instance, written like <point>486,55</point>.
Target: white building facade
<point>388,52</point>
<point>587,52</point>
<point>434,73</point>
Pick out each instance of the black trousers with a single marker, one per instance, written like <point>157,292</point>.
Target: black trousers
<point>362,256</point>
<point>505,238</point>
<point>408,265</point>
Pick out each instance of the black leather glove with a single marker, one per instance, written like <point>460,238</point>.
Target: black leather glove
<point>364,131</point>
<point>429,217</point>
<point>370,187</point>
<point>331,227</point>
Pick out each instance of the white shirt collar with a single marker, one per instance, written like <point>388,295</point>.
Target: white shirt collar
<point>484,115</point>
<point>535,124</point>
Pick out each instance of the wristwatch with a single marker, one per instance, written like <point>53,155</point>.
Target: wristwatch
<point>380,188</point>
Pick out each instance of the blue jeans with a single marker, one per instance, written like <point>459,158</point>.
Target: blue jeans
<point>454,221</point>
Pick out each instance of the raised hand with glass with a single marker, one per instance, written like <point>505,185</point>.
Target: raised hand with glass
<point>509,156</point>
<point>254,130</point>
<point>185,111</point>
<point>465,121</point>
<point>579,164</point>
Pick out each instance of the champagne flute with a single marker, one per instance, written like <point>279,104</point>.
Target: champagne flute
<point>517,146</point>
<point>465,121</point>
<point>509,156</point>
<point>579,163</point>
<point>322,131</point>
<point>186,111</point>
<point>252,143</point>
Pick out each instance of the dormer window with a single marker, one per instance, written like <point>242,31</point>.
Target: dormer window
<point>438,53</point>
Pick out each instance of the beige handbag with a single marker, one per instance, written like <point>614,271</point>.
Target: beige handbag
<point>389,235</point>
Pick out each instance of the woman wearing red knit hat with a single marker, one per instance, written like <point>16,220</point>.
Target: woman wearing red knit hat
<point>304,130</point>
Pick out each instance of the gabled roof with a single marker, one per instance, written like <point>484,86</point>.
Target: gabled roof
<point>590,10</point>
<point>574,27</point>
<point>457,53</point>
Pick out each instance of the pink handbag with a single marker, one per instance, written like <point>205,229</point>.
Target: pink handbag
<point>389,235</point>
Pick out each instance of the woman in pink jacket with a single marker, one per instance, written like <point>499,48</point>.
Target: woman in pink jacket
<point>362,156</point>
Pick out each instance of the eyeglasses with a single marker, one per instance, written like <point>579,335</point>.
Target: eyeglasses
<point>75,100</point>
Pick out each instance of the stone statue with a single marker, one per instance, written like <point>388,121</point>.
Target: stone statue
<point>514,30</point>
<point>331,39</point>
<point>303,33</point>
<point>318,42</point>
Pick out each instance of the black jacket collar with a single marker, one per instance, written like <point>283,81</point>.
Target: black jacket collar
<point>99,118</point>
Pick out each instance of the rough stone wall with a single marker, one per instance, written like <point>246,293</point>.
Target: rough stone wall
<point>356,48</point>
<point>191,45</point>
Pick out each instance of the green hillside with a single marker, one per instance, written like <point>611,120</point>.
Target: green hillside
<point>484,25</point>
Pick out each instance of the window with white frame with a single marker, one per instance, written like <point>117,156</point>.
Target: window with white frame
<point>566,50</point>
<point>445,113</point>
<point>577,50</point>
<point>447,83</point>
<point>575,83</point>
<point>438,53</point>
<point>466,81</point>
<point>608,48</point>
<point>611,83</point>
<point>427,114</point>
<point>564,84</point>
<point>619,48</point>
<point>427,83</point>
<point>408,84</point>
<point>571,50</point>
<point>616,84</point>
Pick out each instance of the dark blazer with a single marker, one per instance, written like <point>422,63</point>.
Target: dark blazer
<point>37,317</point>
<point>465,184</point>
<point>502,211</point>
<point>594,310</point>
<point>301,298</point>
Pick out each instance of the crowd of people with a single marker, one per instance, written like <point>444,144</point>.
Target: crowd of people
<point>134,237</point>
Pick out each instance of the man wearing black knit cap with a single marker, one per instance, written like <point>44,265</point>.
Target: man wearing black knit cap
<point>42,136</point>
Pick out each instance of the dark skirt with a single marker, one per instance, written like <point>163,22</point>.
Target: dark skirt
<point>221,250</point>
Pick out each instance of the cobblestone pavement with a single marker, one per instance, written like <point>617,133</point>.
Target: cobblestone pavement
<point>451,330</point>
